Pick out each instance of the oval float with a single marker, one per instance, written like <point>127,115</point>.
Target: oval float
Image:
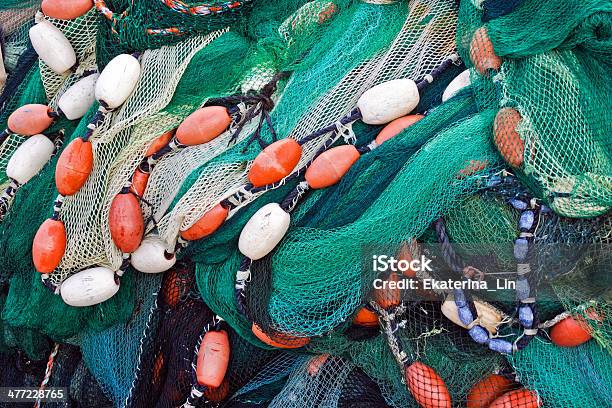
<point>489,317</point>
<point>152,257</point>
<point>49,245</point>
<point>29,158</point>
<point>458,83</point>
<point>203,125</point>
<point>283,341</point>
<point>213,358</point>
<point>426,386</point>
<point>366,318</point>
<point>52,47</point>
<point>570,332</point>
<point>89,287</point>
<point>126,222</point>
<point>396,127</point>
<point>207,224</point>
<point>66,9</point>
<point>507,139</point>
<point>139,182</point>
<point>316,364</point>
<point>484,392</point>
<point>275,162</point>
<point>263,231</point>
<point>160,142</point>
<point>74,167</point>
<point>517,399</point>
<point>388,296</point>
<point>388,101</point>
<point>30,119</point>
<point>330,166</point>
<point>77,99</point>
<point>482,54</point>
<point>117,81</point>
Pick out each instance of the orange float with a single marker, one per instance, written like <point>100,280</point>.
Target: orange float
<point>517,399</point>
<point>66,9</point>
<point>506,138</point>
<point>426,386</point>
<point>126,222</point>
<point>160,142</point>
<point>484,392</point>
<point>203,125</point>
<point>74,167</point>
<point>49,245</point>
<point>388,297</point>
<point>275,162</point>
<point>330,166</point>
<point>482,54</point>
<point>570,332</point>
<point>396,127</point>
<point>283,341</point>
<point>217,394</point>
<point>207,224</point>
<point>213,358</point>
<point>140,180</point>
<point>366,318</point>
<point>316,363</point>
<point>30,120</point>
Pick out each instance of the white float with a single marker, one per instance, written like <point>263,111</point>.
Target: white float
<point>458,83</point>
<point>117,81</point>
<point>264,231</point>
<point>29,158</point>
<point>151,256</point>
<point>489,317</point>
<point>52,47</point>
<point>89,287</point>
<point>388,101</point>
<point>77,99</point>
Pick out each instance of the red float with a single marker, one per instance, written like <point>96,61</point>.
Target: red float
<point>426,386</point>
<point>126,222</point>
<point>139,182</point>
<point>570,332</point>
<point>207,224</point>
<point>388,296</point>
<point>160,142</point>
<point>66,9</point>
<point>327,169</point>
<point>517,399</point>
<point>275,162</point>
<point>203,125</point>
<point>482,54</point>
<point>366,318</point>
<point>49,245</point>
<point>30,120</point>
<point>283,341</point>
<point>484,392</point>
<point>506,138</point>
<point>74,167</point>
<point>213,358</point>
<point>396,127</point>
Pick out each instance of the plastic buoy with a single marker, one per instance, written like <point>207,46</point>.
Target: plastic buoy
<point>126,222</point>
<point>275,162</point>
<point>396,127</point>
<point>139,182</point>
<point>29,158</point>
<point>482,54</point>
<point>426,386</point>
<point>570,332</point>
<point>388,101</point>
<point>517,399</point>
<point>283,341</point>
<point>207,224</point>
<point>52,47</point>
<point>49,245</point>
<point>329,167</point>
<point>152,257</point>
<point>263,231</point>
<point>316,364</point>
<point>77,99</point>
<point>366,318</point>
<point>89,287</point>
<point>30,119</point>
<point>484,392</point>
<point>159,142</point>
<point>117,81</point>
<point>458,83</point>
<point>74,167</point>
<point>66,9</point>
<point>203,125</point>
<point>507,139</point>
<point>213,358</point>
<point>389,296</point>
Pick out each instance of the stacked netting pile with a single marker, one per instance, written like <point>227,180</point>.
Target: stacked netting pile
<point>526,133</point>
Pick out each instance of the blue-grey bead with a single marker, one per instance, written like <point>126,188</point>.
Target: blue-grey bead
<point>545,209</point>
<point>459,297</point>
<point>526,220</point>
<point>501,346</point>
<point>479,334</point>
<point>518,204</point>
<point>465,315</point>
<point>522,288</point>
<point>494,181</point>
<point>521,249</point>
<point>525,316</point>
